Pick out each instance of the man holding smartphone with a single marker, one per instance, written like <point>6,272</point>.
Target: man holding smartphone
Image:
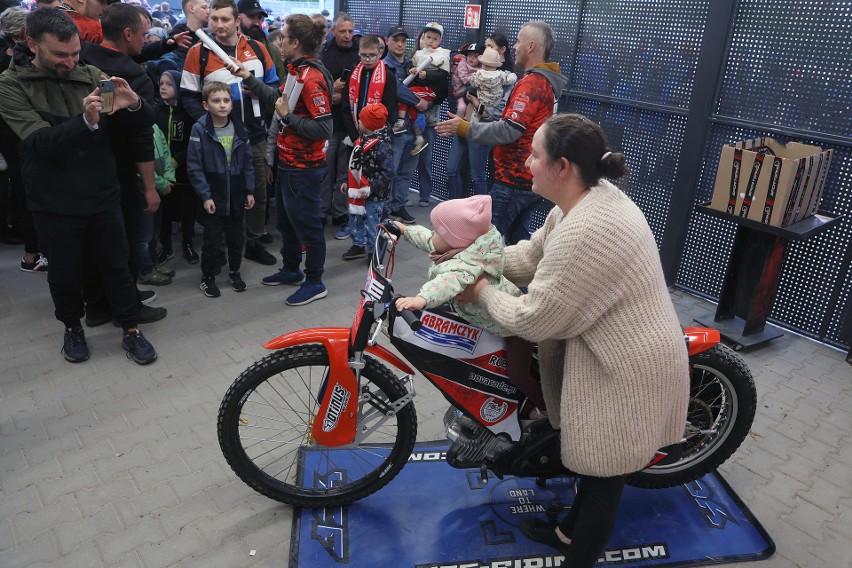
<point>53,104</point>
<point>339,56</point>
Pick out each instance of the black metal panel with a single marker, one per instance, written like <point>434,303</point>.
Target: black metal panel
<point>448,13</point>
<point>814,275</point>
<point>506,17</point>
<point>651,142</point>
<point>643,51</point>
<point>790,65</point>
<point>374,17</point>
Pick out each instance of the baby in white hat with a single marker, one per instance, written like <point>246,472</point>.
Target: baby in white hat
<point>489,81</point>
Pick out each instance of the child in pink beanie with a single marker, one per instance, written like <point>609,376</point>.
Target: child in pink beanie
<point>464,246</point>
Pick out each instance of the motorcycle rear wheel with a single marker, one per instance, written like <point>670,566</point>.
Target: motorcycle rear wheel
<point>265,423</point>
<point>722,404</point>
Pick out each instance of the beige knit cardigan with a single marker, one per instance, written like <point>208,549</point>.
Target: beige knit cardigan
<point>614,366</point>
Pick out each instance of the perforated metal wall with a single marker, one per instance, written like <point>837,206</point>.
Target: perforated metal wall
<point>651,142</point>
<point>374,17</point>
<point>643,51</point>
<point>506,17</point>
<point>813,274</point>
<point>790,64</point>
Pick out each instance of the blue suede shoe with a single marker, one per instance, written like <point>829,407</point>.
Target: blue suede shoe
<point>307,293</point>
<point>283,276</point>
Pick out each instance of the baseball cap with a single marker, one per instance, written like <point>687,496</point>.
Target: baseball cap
<point>435,27</point>
<point>470,48</point>
<point>397,30</point>
<point>250,8</point>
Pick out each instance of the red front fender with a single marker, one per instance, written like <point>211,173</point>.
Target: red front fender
<point>337,417</point>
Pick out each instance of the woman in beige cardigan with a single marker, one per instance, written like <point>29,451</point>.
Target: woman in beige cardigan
<point>614,366</point>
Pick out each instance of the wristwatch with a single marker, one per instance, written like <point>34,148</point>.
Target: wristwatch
<point>285,120</point>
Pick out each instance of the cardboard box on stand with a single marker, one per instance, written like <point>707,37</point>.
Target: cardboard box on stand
<point>770,182</point>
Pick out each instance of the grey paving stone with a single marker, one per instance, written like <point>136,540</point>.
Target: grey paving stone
<point>78,534</point>
<point>177,550</point>
<point>36,548</point>
<point>30,524</point>
<point>145,506</point>
<point>114,546</point>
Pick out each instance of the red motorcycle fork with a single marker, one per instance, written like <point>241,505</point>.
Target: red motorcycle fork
<point>337,417</point>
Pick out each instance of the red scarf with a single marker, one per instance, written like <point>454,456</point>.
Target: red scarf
<point>359,186</point>
<point>375,89</point>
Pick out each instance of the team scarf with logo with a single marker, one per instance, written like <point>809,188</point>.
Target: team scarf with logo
<point>375,89</point>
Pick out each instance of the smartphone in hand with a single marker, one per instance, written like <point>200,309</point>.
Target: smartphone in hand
<point>107,88</point>
<point>344,77</point>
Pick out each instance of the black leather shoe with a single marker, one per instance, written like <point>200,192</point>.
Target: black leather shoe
<point>545,533</point>
<point>146,314</point>
<point>259,254</point>
<point>94,320</point>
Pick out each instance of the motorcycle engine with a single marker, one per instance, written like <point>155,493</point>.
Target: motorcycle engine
<point>472,444</point>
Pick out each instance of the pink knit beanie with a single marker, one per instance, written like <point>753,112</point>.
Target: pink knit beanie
<point>461,221</point>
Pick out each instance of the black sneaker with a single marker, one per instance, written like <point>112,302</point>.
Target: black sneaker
<point>165,256</point>
<point>74,347</point>
<point>259,254</point>
<point>545,533</point>
<point>354,252</point>
<point>208,286</point>
<point>147,296</point>
<point>266,238</point>
<point>403,216</point>
<point>236,282</point>
<point>189,253</point>
<point>138,348</point>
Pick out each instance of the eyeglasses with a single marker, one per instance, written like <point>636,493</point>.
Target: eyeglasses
<point>366,56</point>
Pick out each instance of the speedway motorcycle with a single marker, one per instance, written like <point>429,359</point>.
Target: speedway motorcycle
<point>337,398</point>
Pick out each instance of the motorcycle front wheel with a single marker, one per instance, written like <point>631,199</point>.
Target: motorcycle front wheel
<point>265,431</point>
<point>722,404</point>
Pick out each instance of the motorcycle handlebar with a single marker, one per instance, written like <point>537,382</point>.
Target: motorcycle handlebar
<point>412,320</point>
<point>407,315</point>
<point>391,227</point>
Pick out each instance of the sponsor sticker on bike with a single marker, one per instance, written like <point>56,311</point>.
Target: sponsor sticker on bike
<point>448,333</point>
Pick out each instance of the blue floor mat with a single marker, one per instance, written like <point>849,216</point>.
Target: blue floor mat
<point>434,516</point>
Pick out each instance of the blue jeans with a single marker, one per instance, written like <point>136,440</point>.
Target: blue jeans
<point>512,211</point>
<point>403,168</point>
<point>464,151</point>
<point>149,234</point>
<point>364,226</point>
<point>298,219</point>
<point>424,164</point>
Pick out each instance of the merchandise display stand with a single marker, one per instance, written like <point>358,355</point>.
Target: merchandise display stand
<point>754,271</point>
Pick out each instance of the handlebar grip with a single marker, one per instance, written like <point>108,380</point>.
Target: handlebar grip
<point>391,227</point>
<point>412,320</point>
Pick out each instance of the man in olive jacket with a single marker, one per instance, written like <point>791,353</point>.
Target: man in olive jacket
<point>53,104</point>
